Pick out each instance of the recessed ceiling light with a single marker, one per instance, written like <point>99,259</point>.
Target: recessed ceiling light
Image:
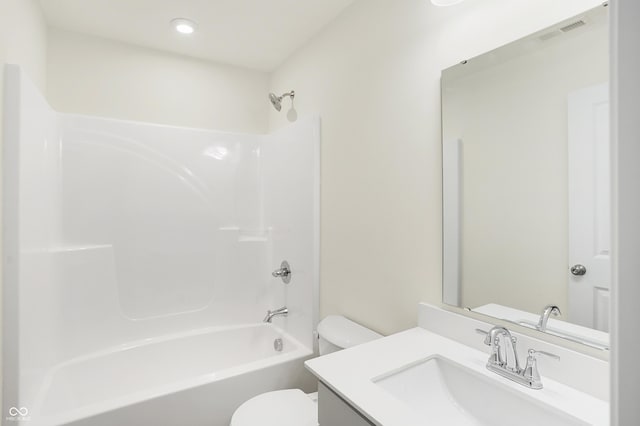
<point>446,2</point>
<point>183,25</point>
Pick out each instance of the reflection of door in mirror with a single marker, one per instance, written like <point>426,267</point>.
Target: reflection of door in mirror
<point>589,208</point>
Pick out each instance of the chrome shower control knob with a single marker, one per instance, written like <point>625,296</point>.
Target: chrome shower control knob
<point>284,272</point>
<point>578,270</point>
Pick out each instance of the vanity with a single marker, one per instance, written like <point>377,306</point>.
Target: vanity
<point>526,242</point>
<point>420,377</point>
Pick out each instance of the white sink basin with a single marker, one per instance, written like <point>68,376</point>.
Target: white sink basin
<point>444,392</point>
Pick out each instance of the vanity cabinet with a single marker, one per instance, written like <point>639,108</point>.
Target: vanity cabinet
<point>334,411</point>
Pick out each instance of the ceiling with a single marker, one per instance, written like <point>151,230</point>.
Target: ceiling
<point>257,34</point>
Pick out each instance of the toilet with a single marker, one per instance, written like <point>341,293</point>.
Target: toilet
<point>292,407</point>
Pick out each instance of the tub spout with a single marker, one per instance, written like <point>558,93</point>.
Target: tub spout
<point>278,312</point>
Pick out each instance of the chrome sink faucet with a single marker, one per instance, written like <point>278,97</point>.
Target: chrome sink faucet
<point>500,363</point>
<point>278,312</point>
<point>507,357</point>
<point>544,317</point>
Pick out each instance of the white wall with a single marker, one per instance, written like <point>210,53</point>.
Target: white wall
<point>23,41</point>
<point>23,38</point>
<point>94,76</point>
<point>373,76</point>
<point>625,331</point>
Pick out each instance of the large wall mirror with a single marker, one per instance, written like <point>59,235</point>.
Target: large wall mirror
<point>526,181</point>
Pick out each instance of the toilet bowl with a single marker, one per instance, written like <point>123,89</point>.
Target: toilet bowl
<point>292,407</point>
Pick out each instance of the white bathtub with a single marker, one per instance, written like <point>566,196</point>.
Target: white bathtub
<point>194,379</point>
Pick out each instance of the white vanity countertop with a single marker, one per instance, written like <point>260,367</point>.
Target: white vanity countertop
<point>349,374</point>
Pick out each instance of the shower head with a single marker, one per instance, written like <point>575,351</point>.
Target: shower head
<point>276,101</point>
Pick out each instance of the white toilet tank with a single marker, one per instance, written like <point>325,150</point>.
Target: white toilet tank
<point>337,332</point>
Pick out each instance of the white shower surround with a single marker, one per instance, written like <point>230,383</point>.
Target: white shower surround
<point>120,235</point>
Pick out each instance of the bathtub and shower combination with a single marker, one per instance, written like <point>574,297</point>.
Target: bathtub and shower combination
<point>137,266</point>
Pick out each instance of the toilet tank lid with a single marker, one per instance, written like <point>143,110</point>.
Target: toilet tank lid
<point>345,333</point>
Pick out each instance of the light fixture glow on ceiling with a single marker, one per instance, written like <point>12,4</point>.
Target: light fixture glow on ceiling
<point>183,25</point>
<point>446,2</point>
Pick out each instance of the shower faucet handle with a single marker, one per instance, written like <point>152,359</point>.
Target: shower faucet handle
<point>284,272</point>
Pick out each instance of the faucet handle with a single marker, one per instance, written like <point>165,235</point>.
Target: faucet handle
<point>534,353</point>
<point>284,272</point>
<point>487,338</point>
<point>495,358</point>
<point>530,372</point>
